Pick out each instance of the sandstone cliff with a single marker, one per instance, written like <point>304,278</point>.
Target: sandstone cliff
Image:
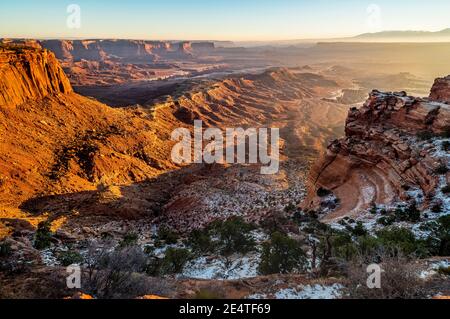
<point>130,51</point>
<point>27,73</point>
<point>394,144</point>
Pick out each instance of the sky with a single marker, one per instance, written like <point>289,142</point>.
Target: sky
<point>234,20</point>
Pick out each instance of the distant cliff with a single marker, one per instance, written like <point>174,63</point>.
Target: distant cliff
<point>123,50</point>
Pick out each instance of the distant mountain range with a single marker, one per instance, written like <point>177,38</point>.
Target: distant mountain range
<point>405,35</point>
<point>384,36</point>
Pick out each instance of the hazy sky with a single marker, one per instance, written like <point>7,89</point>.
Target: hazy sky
<point>219,19</point>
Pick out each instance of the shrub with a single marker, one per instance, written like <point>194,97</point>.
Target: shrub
<point>441,169</point>
<point>167,235</point>
<point>399,278</point>
<point>438,242</point>
<point>402,240</point>
<point>446,189</point>
<point>386,220</point>
<point>358,230</point>
<point>43,236</point>
<point>282,255</point>
<point>322,192</point>
<point>409,214</point>
<point>292,207</point>
<point>200,241</point>
<point>342,245</point>
<point>436,208</point>
<point>174,260</point>
<point>5,249</point>
<point>119,273</point>
<point>374,209</point>
<point>446,146</point>
<point>425,135</point>
<point>129,240</point>
<point>154,266</point>
<point>233,236</point>
<point>69,258</point>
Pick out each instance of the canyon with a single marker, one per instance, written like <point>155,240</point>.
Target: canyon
<point>93,170</point>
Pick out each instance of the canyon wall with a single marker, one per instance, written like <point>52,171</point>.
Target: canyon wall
<point>131,51</point>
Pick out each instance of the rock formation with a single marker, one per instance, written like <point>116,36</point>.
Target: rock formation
<point>387,151</point>
<point>441,90</point>
<point>130,51</point>
<point>29,74</point>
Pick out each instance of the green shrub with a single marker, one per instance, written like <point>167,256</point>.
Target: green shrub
<point>374,210</point>
<point>43,236</point>
<point>200,241</point>
<point>175,260</point>
<point>129,240</point>
<point>290,208</point>
<point>167,235</point>
<point>401,239</point>
<point>282,255</point>
<point>438,243</point>
<point>233,236</point>
<point>358,230</point>
<point>5,249</point>
<point>386,220</point>
<point>343,245</point>
<point>70,257</point>
<point>409,214</point>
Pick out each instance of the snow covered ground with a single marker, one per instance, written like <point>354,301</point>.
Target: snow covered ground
<point>218,268</point>
<point>305,292</point>
<point>433,268</point>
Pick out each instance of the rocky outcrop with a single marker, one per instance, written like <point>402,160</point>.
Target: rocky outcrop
<point>441,90</point>
<point>387,152</point>
<point>27,73</point>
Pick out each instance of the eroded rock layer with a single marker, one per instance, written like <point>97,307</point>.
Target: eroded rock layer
<point>25,74</point>
<point>387,151</point>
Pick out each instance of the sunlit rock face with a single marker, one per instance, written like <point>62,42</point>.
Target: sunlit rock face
<point>441,90</point>
<point>387,151</point>
<point>29,74</point>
